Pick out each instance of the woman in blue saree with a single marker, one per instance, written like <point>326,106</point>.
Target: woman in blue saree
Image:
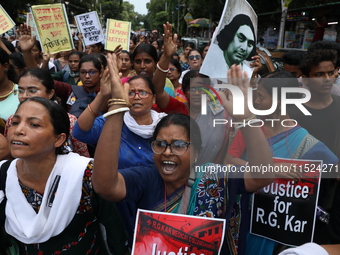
<point>289,141</point>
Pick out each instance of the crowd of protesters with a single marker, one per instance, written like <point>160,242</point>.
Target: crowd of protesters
<point>88,136</point>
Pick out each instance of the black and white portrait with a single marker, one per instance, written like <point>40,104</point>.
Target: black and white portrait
<point>233,42</point>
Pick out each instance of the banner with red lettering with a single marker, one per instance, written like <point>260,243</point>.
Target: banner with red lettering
<point>89,25</point>
<point>53,27</point>
<point>285,211</point>
<point>6,23</point>
<point>168,233</point>
<point>117,33</point>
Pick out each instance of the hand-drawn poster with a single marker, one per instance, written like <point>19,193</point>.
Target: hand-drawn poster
<point>89,25</point>
<point>168,233</point>
<point>117,32</point>
<point>53,27</point>
<point>6,23</point>
<point>233,42</point>
<point>279,211</point>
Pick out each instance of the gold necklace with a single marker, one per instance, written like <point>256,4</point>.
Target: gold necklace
<point>8,92</point>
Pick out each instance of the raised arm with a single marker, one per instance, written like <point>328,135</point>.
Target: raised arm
<point>259,153</point>
<point>27,42</point>
<point>86,119</point>
<point>3,46</point>
<point>46,60</point>
<point>162,98</point>
<point>80,43</point>
<point>106,180</point>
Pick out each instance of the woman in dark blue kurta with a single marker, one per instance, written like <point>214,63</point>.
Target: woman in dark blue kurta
<point>135,149</point>
<point>176,144</point>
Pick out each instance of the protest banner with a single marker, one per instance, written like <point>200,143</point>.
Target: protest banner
<point>279,210</point>
<point>117,32</point>
<point>6,23</point>
<point>31,23</point>
<point>53,27</point>
<point>238,19</point>
<point>168,233</point>
<point>89,25</point>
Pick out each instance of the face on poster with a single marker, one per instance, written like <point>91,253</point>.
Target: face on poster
<point>234,41</point>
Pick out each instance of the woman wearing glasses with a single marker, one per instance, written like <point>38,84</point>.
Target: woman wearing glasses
<point>174,73</point>
<point>171,183</point>
<point>78,97</point>
<point>195,61</point>
<point>138,127</point>
<point>39,83</point>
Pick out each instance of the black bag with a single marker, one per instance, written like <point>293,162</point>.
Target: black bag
<point>8,246</point>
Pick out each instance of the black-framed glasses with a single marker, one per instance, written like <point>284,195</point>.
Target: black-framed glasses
<point>141,94</point>
<point>91,72</point>
<point>192,57</point>
<point>194,89</point>
<point>177,147</point>
<point>173,69</point>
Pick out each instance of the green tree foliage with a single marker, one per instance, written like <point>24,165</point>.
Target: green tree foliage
<point>211,9</point>
<point>18,8</point>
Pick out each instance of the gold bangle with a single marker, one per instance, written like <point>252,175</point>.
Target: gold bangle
<point>120,103</point>
<point>116,100</point>
<point>91,111</point>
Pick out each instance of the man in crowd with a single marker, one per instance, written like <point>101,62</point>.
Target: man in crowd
<point>318,74</point>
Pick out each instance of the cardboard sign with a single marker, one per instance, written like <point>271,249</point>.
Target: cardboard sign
<point>168,233</point>
<point>53,27</point>
<point>89,25</point>
<point>117,32</point>
<point>279,210</point>
<point>6,23</point>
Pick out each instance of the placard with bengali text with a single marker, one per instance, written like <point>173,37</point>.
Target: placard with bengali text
<point>6,23</point>
<point>89,25</point>
<point>53,27</point>
<point>169,233</point>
